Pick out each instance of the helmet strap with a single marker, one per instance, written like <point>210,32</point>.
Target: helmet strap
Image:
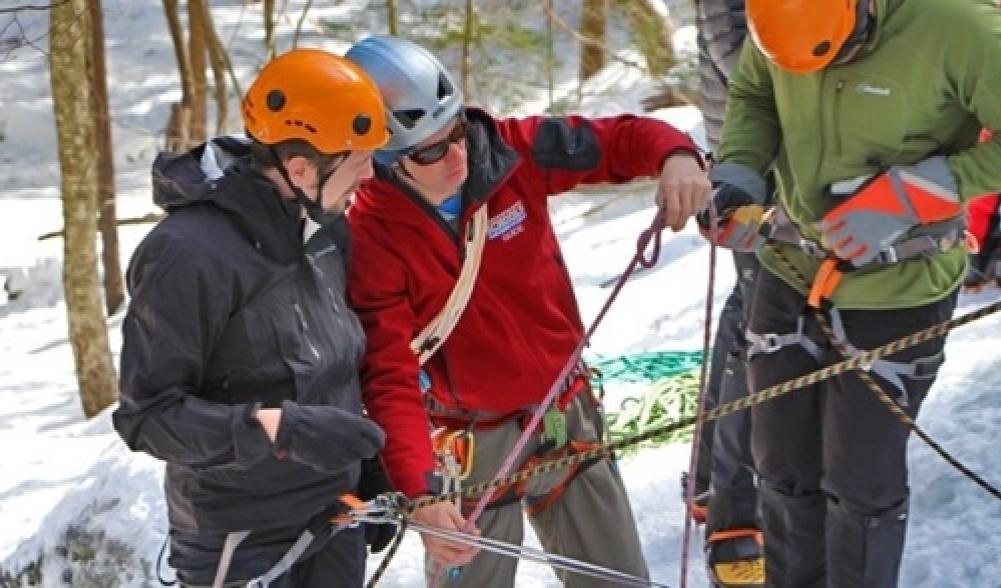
<point>313,208</point>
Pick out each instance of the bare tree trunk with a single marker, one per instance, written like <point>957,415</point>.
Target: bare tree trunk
<point>269,28</point>
<point>197,54</point>
<point>592,26</point>
<point>653,34</point>
<point>177,138</point>
<point>73,105</point>
<point>391,18</point>
<point>467,41</point>
<point>114,288</point>
<point>217,59</point>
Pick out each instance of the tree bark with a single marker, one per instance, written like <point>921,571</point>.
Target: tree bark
<point>467,41</point>
<point>114,287</point>
<point>592,26</point>
<point>269,28</point>
<point>392,20</point>
<point>177,127</point>
<point>198,39</point>
<point>217,59</point>
<point>73,105</point>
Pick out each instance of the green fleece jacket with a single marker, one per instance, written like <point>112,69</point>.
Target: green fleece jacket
<point>924,84</point>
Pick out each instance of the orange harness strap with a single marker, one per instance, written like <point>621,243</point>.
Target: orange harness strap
<point>825,282</point>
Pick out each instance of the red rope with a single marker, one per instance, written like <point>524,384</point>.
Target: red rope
<point>697,434</point>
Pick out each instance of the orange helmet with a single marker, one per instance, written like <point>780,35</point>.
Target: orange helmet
<point>318,97</point>
<point>804,36</point>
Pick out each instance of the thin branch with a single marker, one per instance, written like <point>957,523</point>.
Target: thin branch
<point>22,39</point>
<point>32,7</point>
<point>298,25</point>
<point>151,217</point>
<point>586,40</point>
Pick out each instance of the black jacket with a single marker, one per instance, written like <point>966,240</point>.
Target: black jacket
<point>722,27</point>
<point>229,308</point>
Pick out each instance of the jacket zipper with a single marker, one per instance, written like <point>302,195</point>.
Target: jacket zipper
<point>305,330</point>
<point>839,87</point>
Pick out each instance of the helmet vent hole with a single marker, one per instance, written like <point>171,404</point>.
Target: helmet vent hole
<point>445,88</point>
<point>361,124</point>
<point>276,100</point>
<point>408,118</point>
<point>299,123</point>
<point>822,48</point>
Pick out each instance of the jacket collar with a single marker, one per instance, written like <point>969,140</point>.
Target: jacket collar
<point>490,161</point>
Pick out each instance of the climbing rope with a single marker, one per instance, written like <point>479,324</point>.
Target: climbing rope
<point>883,397</point>
<point>693,458</point>
<point>390,509</point>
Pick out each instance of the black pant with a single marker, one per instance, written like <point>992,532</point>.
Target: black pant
<point>725,459</point>
<point>832,458</point>
<point>329,561</point>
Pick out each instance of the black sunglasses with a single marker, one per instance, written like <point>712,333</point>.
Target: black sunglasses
<point>435,152</point>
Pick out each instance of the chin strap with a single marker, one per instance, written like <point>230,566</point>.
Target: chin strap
<point>313,208</point>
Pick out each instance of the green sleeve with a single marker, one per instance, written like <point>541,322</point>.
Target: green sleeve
<point>751,130</point>
<point>976,67</point>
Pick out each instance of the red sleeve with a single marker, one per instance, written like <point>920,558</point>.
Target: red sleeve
<point>389,377</point>
<point>576,150</point>
<point>978,216</point>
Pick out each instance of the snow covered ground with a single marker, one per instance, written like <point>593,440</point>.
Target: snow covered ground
<point>71,492</point>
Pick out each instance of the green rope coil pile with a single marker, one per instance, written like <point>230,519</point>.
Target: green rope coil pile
<point>668,389</point>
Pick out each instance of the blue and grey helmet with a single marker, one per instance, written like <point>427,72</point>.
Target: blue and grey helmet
<point>420,95</point>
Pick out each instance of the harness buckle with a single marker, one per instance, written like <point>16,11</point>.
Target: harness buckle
<point>811,248</point>
<point>889,255</point>
<point>770,343</point>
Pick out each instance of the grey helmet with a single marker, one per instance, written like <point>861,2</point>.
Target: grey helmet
<point>420,95</point>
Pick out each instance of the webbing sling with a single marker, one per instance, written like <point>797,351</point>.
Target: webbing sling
<point>425,344</point>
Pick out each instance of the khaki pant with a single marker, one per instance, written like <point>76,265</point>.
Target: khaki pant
<point>591,521</point>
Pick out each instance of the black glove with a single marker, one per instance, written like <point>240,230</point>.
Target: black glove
<point>326,438</point>
<point>373,482</point>
<point>734,186</point>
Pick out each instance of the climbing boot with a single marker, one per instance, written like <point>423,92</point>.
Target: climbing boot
<point>736,558</point>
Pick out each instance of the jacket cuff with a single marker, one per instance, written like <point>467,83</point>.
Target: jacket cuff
<point>740,176</point>
<point>685,150</point>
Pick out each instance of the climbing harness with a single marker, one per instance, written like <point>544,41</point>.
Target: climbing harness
<point>922,241</point>
<point>847,351</point>
<point>328,523</point>
<point>892,371</point>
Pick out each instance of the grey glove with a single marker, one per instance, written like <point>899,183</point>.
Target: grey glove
<point>326,438</point>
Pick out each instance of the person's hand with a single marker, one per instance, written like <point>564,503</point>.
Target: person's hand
<point>269,419</point>
<point>326,438</point>
<point>445,515</point>
<point>682,191</point>
<point>737,196</point>
<point>877,210</point>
